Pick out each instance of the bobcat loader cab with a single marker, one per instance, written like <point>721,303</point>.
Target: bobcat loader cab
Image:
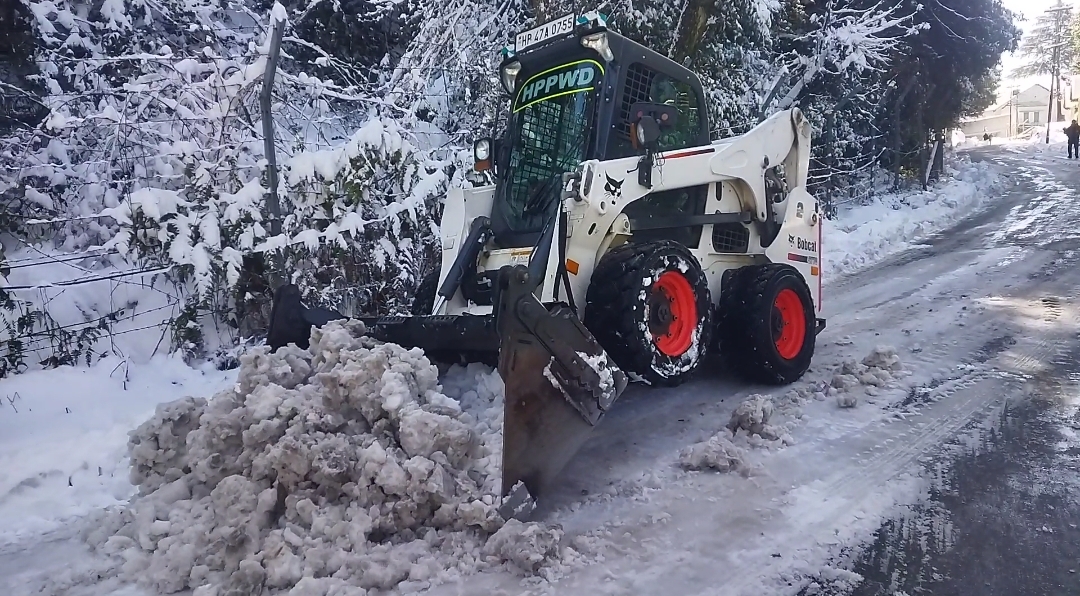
<point>615,239</point>
<point>573,101</point>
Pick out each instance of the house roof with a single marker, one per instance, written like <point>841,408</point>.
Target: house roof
<point>1003,105</point>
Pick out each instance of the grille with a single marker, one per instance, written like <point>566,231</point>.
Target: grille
<point>553,139</point>
<point>638,83</point>
<point>730,237</point>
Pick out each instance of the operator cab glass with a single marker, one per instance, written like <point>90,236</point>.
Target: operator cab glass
<point>569,104</point>
<point>551,124</point>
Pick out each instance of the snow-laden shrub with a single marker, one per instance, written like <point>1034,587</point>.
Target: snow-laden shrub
<point>361,224</point>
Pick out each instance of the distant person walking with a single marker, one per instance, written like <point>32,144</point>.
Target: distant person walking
<point>1073,132</point>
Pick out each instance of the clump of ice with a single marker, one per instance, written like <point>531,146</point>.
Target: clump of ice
<point>878,369</point>
<point>527,546</point>
<point>717,453</point>
<point>883,357</point>
<point>333,470</point>
<point>752,415</point>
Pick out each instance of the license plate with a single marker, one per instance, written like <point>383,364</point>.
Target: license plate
<point>560,26</point>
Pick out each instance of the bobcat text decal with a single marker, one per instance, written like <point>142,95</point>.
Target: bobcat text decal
<point>802,243</point>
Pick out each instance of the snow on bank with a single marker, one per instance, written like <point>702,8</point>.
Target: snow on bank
<point>84,292</point>
<point>866,234</point>
<point>62,435</point>
<point>339,468</point>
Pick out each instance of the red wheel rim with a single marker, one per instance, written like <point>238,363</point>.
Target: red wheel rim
<point>676,332</point>
<point>792,324</point>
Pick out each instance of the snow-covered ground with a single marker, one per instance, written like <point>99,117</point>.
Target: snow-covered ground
<point>64,454</point>
<point>893,222</point>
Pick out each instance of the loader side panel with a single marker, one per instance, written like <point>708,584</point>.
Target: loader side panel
<point>462,206</point>
<point>668,205</point>
<point>728,237</point>
<point>799,242</point>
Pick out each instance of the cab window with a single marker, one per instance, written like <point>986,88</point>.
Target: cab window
<point>646,85</point>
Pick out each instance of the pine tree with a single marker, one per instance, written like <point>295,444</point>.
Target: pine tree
<point>1047,45</point>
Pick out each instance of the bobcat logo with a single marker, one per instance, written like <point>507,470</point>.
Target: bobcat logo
<point>791,239</point>
<point>613,187</point>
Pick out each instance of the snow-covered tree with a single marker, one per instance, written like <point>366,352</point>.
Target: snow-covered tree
<point>1046,45</point>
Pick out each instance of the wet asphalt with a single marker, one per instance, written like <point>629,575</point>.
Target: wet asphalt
<point>1002,513</point>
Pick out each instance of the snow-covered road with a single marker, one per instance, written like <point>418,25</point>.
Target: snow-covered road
<point>976,314</point>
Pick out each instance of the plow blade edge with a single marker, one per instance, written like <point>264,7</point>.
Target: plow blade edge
<point>559,383</point>
<point>443,337</point>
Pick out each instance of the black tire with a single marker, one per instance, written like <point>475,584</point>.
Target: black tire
<point>424,301</point>
<point>625,292</point>
<point>750,326</point>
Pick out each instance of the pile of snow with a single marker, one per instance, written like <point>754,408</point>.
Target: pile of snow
<point>1035,137</point>
<point>341,466</point>
<point>881,368</point>
<point>865,234</point>
<point>721,454</point>
<point>878,369</point>
<point>752,415</point>
<point>717,453</point>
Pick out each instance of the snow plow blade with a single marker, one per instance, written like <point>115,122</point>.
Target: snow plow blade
<point>559,383</point>
<point>437,335</point>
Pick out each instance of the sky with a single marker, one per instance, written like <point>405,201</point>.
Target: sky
<point>1027,10</point>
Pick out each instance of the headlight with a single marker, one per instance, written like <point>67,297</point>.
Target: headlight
<point>640,135</point>
<point>598,42</point>
<point>482,149</point>
<point>509,75</point>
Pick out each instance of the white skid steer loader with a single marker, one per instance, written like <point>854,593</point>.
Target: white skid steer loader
<point>617,238</point>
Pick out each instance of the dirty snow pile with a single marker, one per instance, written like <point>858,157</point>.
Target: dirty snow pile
<point>720,453</point>
<point>323,472</point>
<point>880,369</point>
<point>715,453</point>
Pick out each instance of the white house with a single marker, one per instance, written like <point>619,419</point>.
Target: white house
<point>1022,111</point>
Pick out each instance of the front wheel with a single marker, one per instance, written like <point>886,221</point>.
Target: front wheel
<point>767,329</point>
<point>649,307</point>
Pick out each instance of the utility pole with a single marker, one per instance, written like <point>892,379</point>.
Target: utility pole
<point>1012,98</point>
<point>1060,13</point>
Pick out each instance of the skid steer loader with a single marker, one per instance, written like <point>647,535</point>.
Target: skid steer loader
<point>615,239</point>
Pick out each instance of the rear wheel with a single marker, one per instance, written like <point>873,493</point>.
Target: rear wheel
<point>649,307</point>
<point>766,326</point>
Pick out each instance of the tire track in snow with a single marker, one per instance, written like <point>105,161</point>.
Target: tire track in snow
<point>970,398</point>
